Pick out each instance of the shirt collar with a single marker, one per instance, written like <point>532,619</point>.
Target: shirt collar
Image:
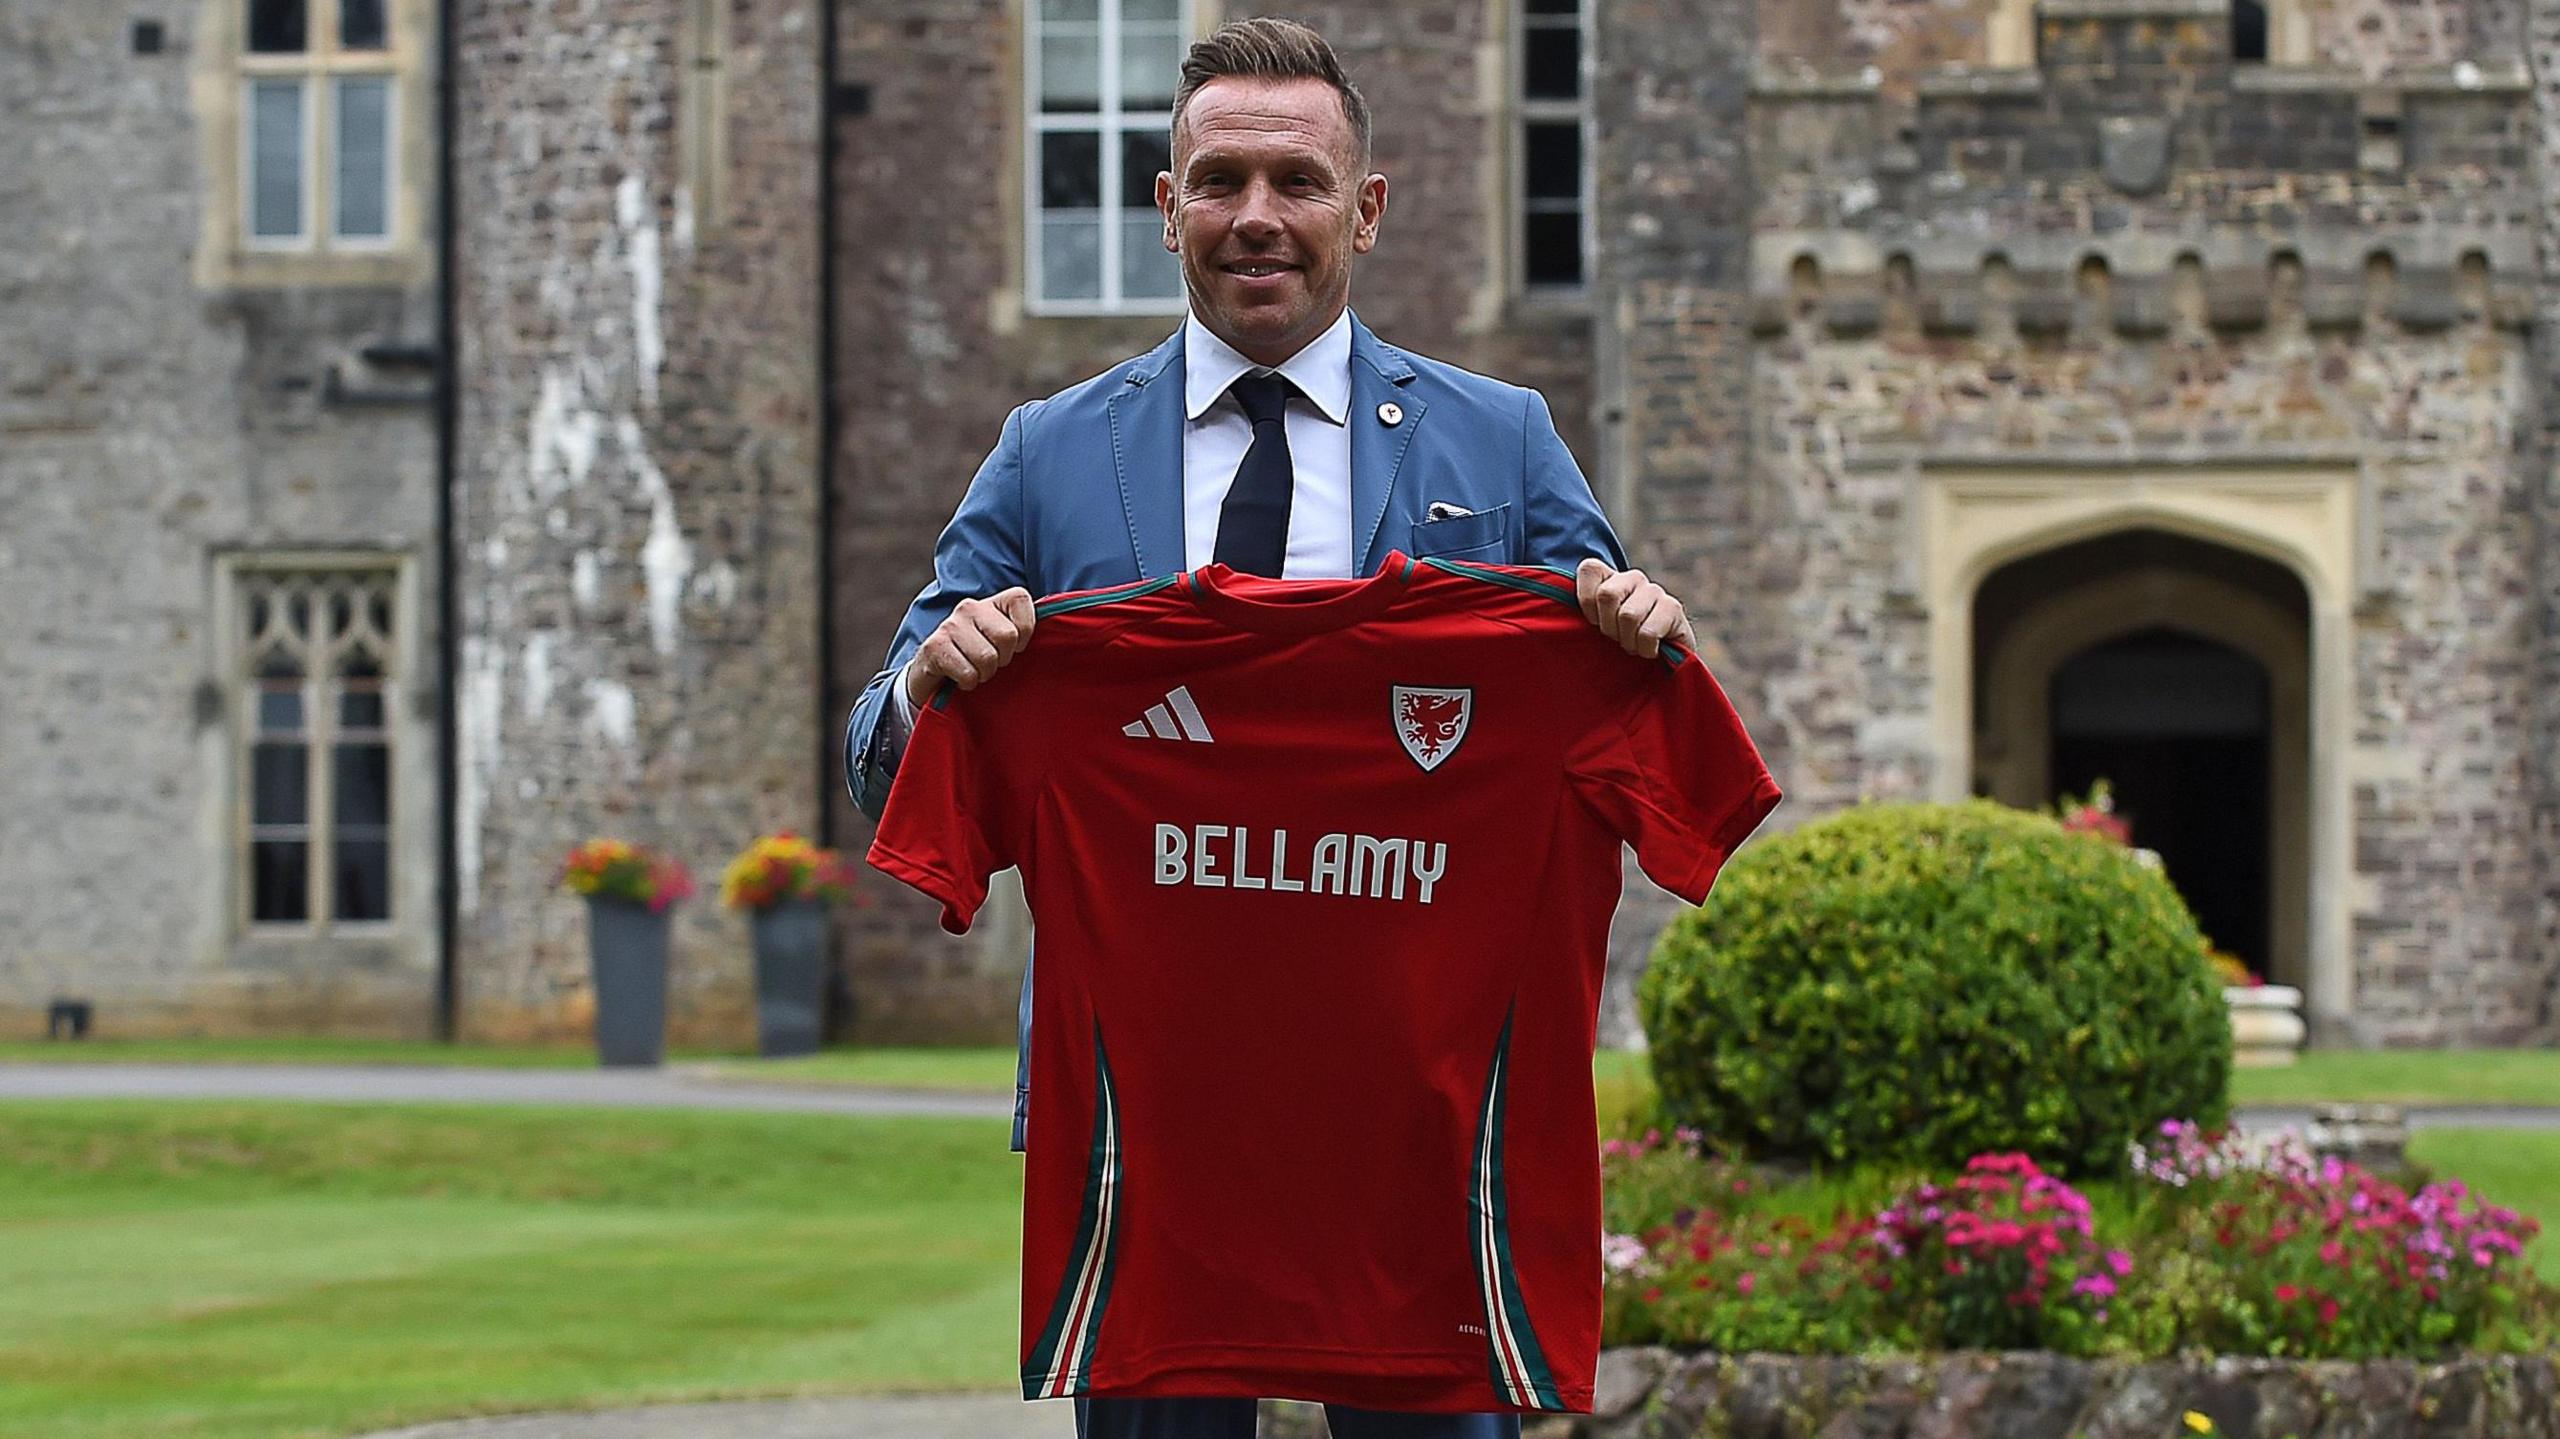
<point>1321,370</point>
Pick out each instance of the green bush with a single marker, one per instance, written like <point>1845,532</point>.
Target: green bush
<point>1924,983</point>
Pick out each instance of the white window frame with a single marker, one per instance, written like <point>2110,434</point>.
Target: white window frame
<point>391,139</point>
<point>1529,111</point>
<point>320,729</point>
<point>1108,122</point>
<point>319,65</point>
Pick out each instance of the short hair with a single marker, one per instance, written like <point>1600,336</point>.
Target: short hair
<point>1268,47</point>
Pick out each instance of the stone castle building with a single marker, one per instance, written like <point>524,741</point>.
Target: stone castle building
<point>432,435</point>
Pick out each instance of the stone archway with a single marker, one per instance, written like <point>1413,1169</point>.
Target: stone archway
<point>2180,670</point>
<point>1968,522</point>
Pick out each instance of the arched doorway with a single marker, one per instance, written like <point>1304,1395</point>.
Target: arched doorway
<point>2179,671</point>
<point>2177,726</point>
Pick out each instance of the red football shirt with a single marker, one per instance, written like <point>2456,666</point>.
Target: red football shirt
<point>1322,873</point>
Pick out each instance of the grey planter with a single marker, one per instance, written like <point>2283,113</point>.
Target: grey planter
<point>791,976</point>
<point>627,945</point>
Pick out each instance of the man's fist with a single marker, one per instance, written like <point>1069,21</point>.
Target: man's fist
<point>1631,609</point>
<point>980,638</point>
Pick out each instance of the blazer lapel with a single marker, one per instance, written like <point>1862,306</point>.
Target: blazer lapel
<point>1380,375</point>
<point>1146,457</point>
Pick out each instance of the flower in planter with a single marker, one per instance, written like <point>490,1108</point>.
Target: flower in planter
<point>2095,814</point>
<point>618,869</point>
<point>2232,971</point>
<point>783,867</point>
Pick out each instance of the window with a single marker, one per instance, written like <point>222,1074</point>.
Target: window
<point>1554,166</point>
<point>2248,32</point>
<point>318,149</point>
<point>1100,82</point>
<point>318,648</point>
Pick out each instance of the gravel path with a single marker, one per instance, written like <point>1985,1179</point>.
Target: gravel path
<point>2416,1116</point>
<point>687,1087</point>
<point>671,1088</point>
<point>957,1416</point>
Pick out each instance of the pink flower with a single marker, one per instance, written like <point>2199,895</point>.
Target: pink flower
<point>1744,1283</point>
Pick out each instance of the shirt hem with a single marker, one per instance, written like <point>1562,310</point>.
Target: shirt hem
<point>1437,1384</point>
<point>932,881</point>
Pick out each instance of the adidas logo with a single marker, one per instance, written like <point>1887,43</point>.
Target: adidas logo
<point>1176,718</point>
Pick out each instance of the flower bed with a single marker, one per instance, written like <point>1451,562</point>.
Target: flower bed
<point>2209,1245</point>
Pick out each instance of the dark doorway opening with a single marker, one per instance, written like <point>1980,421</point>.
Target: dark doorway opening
<point>2180,729</point>
<point>2248,32</point>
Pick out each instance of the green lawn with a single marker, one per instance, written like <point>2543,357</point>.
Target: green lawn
<point>2407,1076</point>
<point>2393,1076</point>
<point>225,1270</point>
<point>251,1271</point>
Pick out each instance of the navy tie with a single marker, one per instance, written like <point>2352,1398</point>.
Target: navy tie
<point>1253,525</point>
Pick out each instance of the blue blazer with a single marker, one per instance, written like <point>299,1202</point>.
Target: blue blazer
<point>1084,490</point>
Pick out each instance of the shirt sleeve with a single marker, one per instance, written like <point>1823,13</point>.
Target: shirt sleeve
<point>954,818</point>
<point>1668,765</point>
<point>897,721</point>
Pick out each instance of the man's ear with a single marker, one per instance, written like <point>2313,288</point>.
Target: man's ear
<point>1372,206</point>
<point>1164,205</point>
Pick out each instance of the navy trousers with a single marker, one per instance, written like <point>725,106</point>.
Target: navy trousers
<point>1233,1419</point>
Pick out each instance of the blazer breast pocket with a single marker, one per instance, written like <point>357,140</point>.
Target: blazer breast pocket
<point>1484,535</point>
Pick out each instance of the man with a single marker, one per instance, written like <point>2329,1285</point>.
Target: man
<point>1274,433</point>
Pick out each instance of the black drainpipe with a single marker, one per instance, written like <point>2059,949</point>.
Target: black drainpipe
<point>448,600</point>
<point>830,782</point>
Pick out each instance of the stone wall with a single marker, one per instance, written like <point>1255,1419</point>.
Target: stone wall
<point>1677,184</point>
<point>149,428</point>
<point>1659,1394</point>
<point>935,345</point>
<point>1990,273</point>
<point>1906,39</point>
<point>637,470</point>
<point>2538,451</point>
<point>1666,1394</point>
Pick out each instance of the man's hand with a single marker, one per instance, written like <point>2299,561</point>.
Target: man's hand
<point>980,638</point>
<point>1631,609</point>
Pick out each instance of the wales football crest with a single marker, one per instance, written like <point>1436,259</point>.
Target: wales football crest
<point>1432,722</point>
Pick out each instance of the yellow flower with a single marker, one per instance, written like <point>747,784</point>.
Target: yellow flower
<point>2199,1423</point>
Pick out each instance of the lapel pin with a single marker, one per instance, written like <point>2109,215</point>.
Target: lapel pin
<point>1391,413</point>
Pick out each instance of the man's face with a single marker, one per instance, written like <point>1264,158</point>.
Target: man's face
<point>1266,205</point>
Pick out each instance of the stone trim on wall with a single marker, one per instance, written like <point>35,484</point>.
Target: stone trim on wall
<point>223,257</point>
<point>1964,524</point>
<point>365,976</point>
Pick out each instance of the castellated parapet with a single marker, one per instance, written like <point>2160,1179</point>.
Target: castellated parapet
<point>2137,181</point>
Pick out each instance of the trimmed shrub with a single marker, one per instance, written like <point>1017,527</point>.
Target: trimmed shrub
<point>1924,983</point>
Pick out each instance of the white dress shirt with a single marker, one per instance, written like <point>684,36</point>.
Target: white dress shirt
<point>1215,435</point>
